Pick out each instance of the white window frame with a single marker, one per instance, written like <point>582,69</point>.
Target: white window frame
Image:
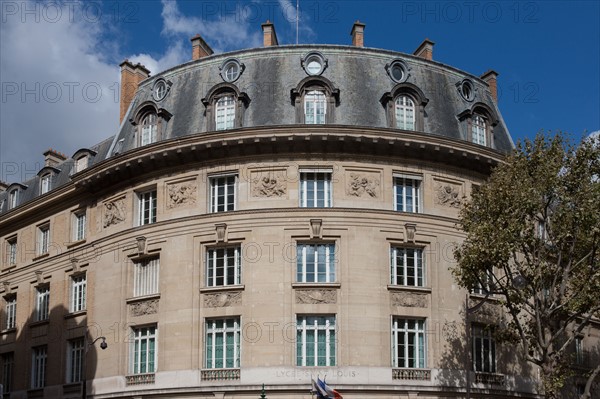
<point>79,225</point>
<point>314,101</point>
<point>210,342</point>
<point>401,271</point>
<point>42,303</point>
<point>149,128</point>
<point>81,163</point>
<point>78,292</point>
<point>11,312</point>
<point>146,277</point>
<point>401,329</point>
<point>13,198</point>
<point>39,356</point>
<point>486,287</point>
<point>326,250</point>
<point>415,199</point>
<point>140,335</point>
<point>75,363</point>
<point>479,129</point>
<point>483,340</point>
<point>225,107</point>
<point>43,239</point>
<point>46,183</point>
<point>231,266</point>
<point>320,324</point>
<point>147,201</point>
<point>316,174</point>
<point>405,112</point>
<point>214,185</point>
<point>11,250</point>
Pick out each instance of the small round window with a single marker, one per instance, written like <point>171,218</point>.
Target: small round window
<point>397,71</point>
<point>466,90</point>
<point>314,64</point>
<point>160,90</point>
<point>231,70</point>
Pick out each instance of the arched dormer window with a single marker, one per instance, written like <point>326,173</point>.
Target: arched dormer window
<point>479,122</point>
<point>14,194</point>
<point>224,107</point>
<point>150,122</point>
<point>81,159</point>
<point>46,175</point>
<point>315,99</point>
<point>405,107</point>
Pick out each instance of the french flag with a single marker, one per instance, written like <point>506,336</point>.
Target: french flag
<point>325,391</point>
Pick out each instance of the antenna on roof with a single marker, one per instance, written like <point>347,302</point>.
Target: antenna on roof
<point>297,19</point>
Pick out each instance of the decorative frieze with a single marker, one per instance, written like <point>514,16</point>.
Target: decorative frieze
<point>270,185</point>
<point>316,296</point>
<point>409,299</point>
<point>448,194</point>
<point>181,194</point>
<point>363,185</point>
<point>114,212</point>
<point>222,299</point>
<point>143,308</point>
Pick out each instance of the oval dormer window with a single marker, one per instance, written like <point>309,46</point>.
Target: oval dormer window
<point>160,90</point>
<point>314,64</point>
<point>231,70</point>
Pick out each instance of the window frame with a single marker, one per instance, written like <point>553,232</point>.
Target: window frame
<point>303,189</point>
<point>137,337</point>
<point>225,89</point>
<point>302,344</point>
<point>13,198</point>
<point>420,356</point>
<point>75,363</point>
<point>211,268</point>
<point>330,258</point>
<point>480,335</point>
<point>226,110</point>
<point>146,282</point>
<point>43,238</point>
<point>10,308</point>
<point>78,292</point>
<point>39,366</point>
<point>212,331</point>
<point>79,225</point>
<point>213,205</point>
<point>405,107</point>
<point>488,115</point>
<point>78,163</point>
<point>317,98</point>
<point>42,302</point>
<point>12,250</point>
<point>45,183</point>
<point>419,267</point>
<point>311,84</point>
<point>147,201</point>
<point>414,93</point>
<point>417,193</point>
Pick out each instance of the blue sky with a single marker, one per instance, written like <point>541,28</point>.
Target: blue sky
<point>59,60</point>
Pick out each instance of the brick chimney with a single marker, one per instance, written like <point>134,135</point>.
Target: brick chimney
<point>425,50</point>
<point>131,76</point>
<point>269,35</point>
<point>53,157</point>
<point>358,34</point>
<point>200,48</point>
<point>491,78</point>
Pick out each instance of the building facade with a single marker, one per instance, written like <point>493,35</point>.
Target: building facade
<point>264,216</point>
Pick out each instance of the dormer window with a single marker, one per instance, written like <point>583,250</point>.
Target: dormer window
<point>225,107</point>
<point>81,163</point>
<point>46,183</point>
<point>315,99</point>
<point>405,112</point>
<point>225,112</point>
<point>149,129</point>
<point>405,107</point>
<point>13,198</point>
<point>315,107</point>
<point>478,124</point>
<point>150,123</point>
<point>231,70</point>
<point>478,130</point>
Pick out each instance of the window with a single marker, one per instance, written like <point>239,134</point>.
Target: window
<point>8,363</point>
<point>579,355</point>
<point>11,251</point>
<point>160,90</point>
<point>225,113</point>
<point>38,367</point>
<point>407,194</point>
<point>315,263</point>
<point>75,354</point>
<point>149,129</point>
<point>42,303</point>
<point>147,207</point>
<point>315,107</point>
<point>408,346</point>
<point>223,193</point>
<point>223,266</point>
<point>315,341</point>
<point>478,124</point>
<point>79,220</point>
<point>397,71</point>
<point>484,349</point>
<point>43,239</point>
<point>81,163</point>
<point>478,130</point>
<point>466,90</point>
<point>45,183</point>
<point>405,113</point>
<point>78,292</point>
<point>13,198</point>
<point>11,312</point>
<point>231,70</point>
<point>407,267</point>
<point>485,286</point>
<point>315,189</point>
<point>314,63</point>
<point>223,343</point>
<point>143,350</point>
<point>145,279</point>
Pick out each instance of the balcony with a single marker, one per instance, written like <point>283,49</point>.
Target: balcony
<point>489,378</point>
<point>411,374</point>
<point>139,379</point>
<point>220,374</point>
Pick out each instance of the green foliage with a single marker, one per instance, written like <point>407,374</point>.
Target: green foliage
<point>538,219</point>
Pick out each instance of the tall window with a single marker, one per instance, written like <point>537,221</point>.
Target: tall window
<point>407,267</point>
<point>405,113</point>
<point>11,251</point>
<point>225,113</point>
<point>579,355</point>
<point>78,292</point>
<point>223,193</point>
<point>11,312</point>
<point>38,366</point>
<point>407,194</point>
<point>42,303</point>
<point>315,341</point>
<point>478,129</point>
<point>408,343</point>
<point>79,220</point>
<point>13,198</point>
<point>315,107</point>
<point>75,354</point>
<point>149,129</point>
<point>485,286</point>
<point>8,363</point>
<point>223,266</point>
<point>145,277</point>
<point>484,349</point>
<point>315,189</point>
<point>43,239</point>
<point>46,182</point>
<point>143,350</point>
<point>147,207</point>
<point>81,163</point>
<point>315,263</point>
<point>222,343</point>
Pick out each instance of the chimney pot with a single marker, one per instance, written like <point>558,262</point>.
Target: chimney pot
<point>491,78</point>
<point>200,48</point>
<point>53,157</point>
<point>269,34</point>
<point>358,34</point>
<point>425,50</point>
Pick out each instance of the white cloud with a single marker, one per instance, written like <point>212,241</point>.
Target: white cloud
<point>595,134</point>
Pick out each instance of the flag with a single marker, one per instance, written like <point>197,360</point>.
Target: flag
<point>330,393</point>
<point>316,389</point>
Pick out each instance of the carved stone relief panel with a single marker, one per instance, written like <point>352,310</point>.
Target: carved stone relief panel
<point>268,184</point>
<point>222,299</point>
<point>144,307</point>
<point>114,212</point>
<point>316,296</point>
<point>448,194</point>
<point>182,193</point>
<point>409,299</point>
<point>363,184</point>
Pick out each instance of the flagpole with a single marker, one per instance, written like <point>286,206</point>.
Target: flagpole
<point>297,19</point>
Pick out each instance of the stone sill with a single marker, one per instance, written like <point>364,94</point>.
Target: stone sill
<point>42,256</point>
<point>8,331</point>
<point>391,287</point>
<point>142,298</point>
<point>39,323</point>
<point>9,268</point>
<point>76,243</point>
<point>237,287</point>
<point>316,285</point>
<point>75,314</point>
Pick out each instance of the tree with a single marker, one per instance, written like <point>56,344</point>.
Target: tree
<point>537,222</point>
